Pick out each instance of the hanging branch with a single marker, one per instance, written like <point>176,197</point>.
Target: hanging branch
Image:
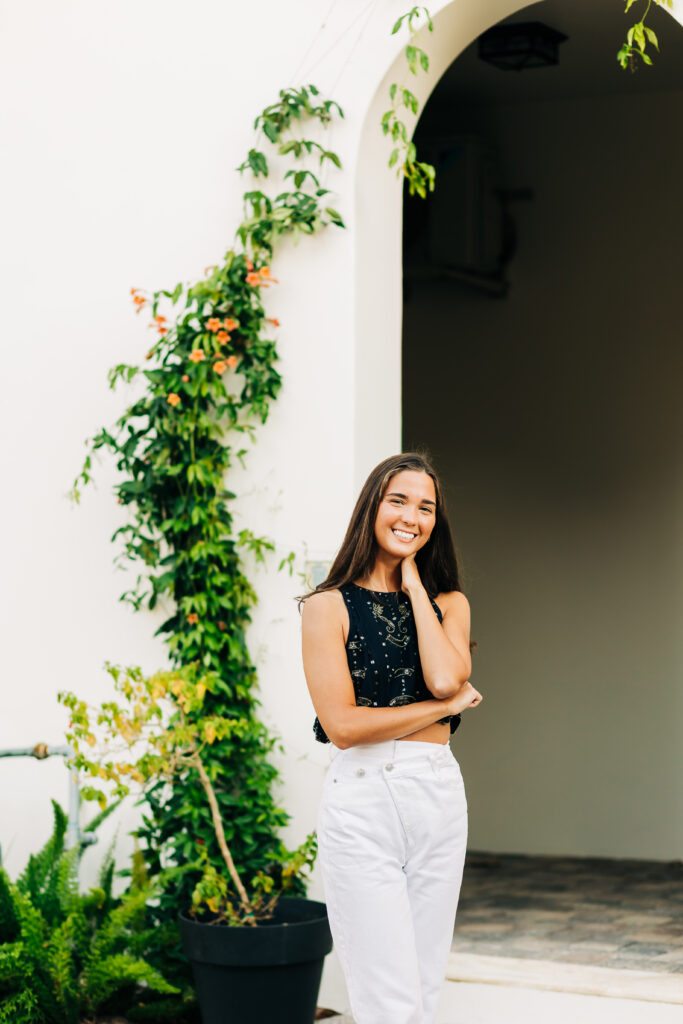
<point>420,176</point>
<point>638,36</point>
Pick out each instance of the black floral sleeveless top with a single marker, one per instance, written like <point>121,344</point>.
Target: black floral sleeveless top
<point>382,651</point>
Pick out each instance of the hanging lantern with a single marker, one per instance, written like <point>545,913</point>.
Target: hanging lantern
<point>518,45</point>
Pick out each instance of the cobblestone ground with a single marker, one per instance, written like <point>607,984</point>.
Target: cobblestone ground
<point>626,914</point>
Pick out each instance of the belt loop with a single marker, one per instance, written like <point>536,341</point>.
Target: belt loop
<point>437,759</point>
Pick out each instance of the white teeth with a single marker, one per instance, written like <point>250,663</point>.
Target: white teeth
<point>402,535</point>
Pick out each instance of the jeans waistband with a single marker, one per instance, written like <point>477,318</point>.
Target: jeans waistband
<point>397,753</point>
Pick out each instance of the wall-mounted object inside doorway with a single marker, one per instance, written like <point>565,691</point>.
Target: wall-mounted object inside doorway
<point>464,232</point>
<point>515,46</point>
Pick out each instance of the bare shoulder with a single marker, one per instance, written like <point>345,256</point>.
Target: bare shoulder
<point>323,609</point>
<point>454,604</point>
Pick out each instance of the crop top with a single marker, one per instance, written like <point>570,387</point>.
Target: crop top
<point>382,651</point>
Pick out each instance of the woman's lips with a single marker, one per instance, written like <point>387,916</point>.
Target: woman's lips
<point>403,535</point>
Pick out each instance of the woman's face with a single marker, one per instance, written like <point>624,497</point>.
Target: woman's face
<point>407,513</point>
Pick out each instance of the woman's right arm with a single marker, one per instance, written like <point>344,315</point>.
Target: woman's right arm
<point>331,687</point>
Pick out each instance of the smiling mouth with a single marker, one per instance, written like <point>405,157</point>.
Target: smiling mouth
<point>404,535</point>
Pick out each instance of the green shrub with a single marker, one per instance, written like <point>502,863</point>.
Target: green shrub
<point>66,955</point>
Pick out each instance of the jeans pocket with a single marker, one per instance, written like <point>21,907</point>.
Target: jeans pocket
<point>450,773</point>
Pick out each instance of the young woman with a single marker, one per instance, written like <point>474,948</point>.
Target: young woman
<point>386,653</point>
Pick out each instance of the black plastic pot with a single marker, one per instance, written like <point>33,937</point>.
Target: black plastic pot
<point>250,975</point>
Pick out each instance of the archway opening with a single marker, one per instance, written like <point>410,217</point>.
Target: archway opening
<point>541,367</point>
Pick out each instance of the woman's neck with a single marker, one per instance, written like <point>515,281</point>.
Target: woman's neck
<point>383,577</point>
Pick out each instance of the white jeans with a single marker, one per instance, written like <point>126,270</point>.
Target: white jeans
<point>392,831</point>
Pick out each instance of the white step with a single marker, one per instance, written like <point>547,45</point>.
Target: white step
<point>504,990</point>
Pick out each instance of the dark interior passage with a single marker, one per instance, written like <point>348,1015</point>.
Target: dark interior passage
<point>552,408</point>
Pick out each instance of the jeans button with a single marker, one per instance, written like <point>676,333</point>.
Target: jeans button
<point>389,767</point>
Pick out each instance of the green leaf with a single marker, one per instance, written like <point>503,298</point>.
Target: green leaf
<point>652,37</point>
<point>328,155</point>
<point>411,57</point>
<point>410,101</point>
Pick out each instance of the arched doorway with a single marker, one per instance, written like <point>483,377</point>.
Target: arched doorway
<point>547,389</point>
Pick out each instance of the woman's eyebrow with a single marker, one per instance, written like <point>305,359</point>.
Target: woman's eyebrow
<point>397,494</point>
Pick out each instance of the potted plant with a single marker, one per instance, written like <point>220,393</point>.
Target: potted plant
<point>253,947</point>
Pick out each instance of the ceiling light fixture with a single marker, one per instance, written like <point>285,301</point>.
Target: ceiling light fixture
<point>518,45</point>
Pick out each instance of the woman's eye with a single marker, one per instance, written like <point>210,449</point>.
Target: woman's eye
<point>397,501</point>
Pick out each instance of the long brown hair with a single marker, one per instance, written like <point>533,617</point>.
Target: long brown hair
<point>436,562</point>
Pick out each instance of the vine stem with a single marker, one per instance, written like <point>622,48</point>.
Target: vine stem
<point>220,835</point>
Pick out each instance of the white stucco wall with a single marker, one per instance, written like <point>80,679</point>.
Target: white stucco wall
<point>123,127</point>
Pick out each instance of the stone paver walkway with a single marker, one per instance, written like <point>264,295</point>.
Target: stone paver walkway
<point>624,914</point>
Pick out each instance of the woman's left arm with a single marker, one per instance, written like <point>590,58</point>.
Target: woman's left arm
<point>444,646</point>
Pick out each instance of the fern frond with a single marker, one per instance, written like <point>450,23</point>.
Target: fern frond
<point>93,825</point>
<point>107,976</point>
<point>140,943</point>
<point>94,904</point>
<point>66,879</point>
<point>31,923</point>
<point>13,966</point>
<point>21,1008</point>
<point>62,969</point>
<point>9,925</point>
<point>33,878</point>
<point>114,931</point>
<point>34,942</point>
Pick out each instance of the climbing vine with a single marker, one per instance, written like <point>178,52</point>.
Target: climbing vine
<point>208,375</point>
